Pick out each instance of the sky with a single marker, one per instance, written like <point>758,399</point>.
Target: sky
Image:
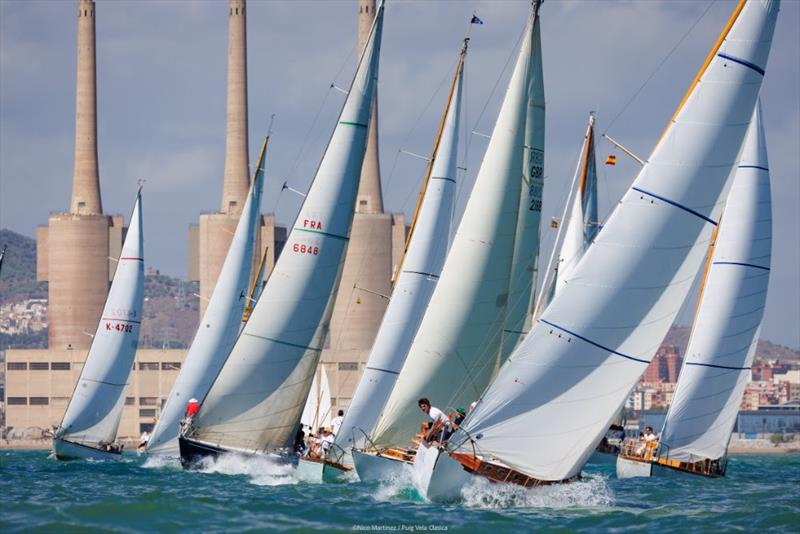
<point>161,104</point>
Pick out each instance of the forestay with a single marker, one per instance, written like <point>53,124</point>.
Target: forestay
<point>555,397</point>
<point>529,212</point>
<point>725,332</point>
<point>257,399</point>
<point>456,348</point>
<point>317,410</point>
<point>95,409</point>
<point>220,324</point>
<point>416,281</point>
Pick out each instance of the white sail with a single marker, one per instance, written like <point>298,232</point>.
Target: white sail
<point>257,399</point>
<point>220,324</point>
<point>95,409</point>
<point>527,238</point>
<point>317,411</point>
<point>582,226</point>
<point>725,332</point>
<point>420,272</point>
<point>455,350</point>
<point>555,397</point>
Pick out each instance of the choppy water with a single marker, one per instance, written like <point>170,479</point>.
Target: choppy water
<point>37,493</point>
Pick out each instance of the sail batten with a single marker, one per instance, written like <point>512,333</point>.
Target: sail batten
<point>558,393</point>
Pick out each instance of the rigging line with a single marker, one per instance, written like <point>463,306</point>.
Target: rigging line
<point>658,67</point>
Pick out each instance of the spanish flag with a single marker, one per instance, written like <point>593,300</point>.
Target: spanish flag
<point>612,160</point>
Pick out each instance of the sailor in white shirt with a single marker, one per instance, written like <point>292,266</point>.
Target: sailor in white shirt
<point>439,427</point>
<point>337,422</point>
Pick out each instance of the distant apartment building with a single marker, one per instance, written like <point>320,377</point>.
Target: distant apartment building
<point>665,366</point>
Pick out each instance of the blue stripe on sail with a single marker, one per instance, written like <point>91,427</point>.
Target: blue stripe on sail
<point>429,275</point>
<point>325,234</point>
<point>742,62</point>
<point>383,370</point>
<point>754,266</point>
<point>753,167</point>
<point>673,203</point>
<point>598,345</point>
<point>295,345</point>
<point>718,366</point>
<point>442,178</point>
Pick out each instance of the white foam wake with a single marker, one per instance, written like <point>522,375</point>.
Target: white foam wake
<point>161,461</point>
<point>262,470</point>
<point>589,492</point>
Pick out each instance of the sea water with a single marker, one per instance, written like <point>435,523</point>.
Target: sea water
<point>38,493</point>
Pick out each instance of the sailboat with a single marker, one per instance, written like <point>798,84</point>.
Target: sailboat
<point>541,418</point>
<point>220,324</point>
<point>255,403</point>
<point>723,341</point>
<point>317,411</point>
<point>89,427</point>
<point>455,350</point>
<point>416,278</point>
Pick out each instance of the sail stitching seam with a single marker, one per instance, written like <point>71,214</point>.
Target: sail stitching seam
<point>284,342</point>
<point>598,345</point>
<point>677,205</point>
<point>326,234</point>
<point>718,366</point>
<point>743,62</point>
<point>754,266</point>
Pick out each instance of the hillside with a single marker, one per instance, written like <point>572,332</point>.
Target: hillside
<point>18,278</point>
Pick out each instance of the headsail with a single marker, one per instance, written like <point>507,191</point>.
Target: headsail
<point>256,400</point>
<point>317,410</point>
<point>419,273</point>
<point>522,284</point>
<point>95,409</point>
<point>555,397</point>
<point>725,332</point>
<point>220,324</point>
<point>455,349</point>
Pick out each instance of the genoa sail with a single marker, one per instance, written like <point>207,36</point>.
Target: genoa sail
<point>220,324</point>
<point>317,411</point>
<point>257,399</point>
<point>556,396</point>
<point>455,350</point>
<point>416,280</point>
<point>721,347</point>
<point>95,409</point>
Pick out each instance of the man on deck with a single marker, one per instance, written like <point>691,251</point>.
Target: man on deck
<point>439,423</point>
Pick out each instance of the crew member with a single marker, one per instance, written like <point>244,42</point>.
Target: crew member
<point>439,424</point>
<point>337,422</point>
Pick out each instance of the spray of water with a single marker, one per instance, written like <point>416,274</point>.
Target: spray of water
<point>159,461</point>
<point>266,470</point>
<point>589,492</point>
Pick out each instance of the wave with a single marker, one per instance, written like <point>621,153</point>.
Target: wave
<point>589,492</point>
<point>267,470</point>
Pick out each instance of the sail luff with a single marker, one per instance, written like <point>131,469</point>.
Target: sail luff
<point>95,408</point>
<point>729,314</point>
<point>415,283</point>
<point>220,324</point>
<point>522,286</point>
<point>554,399</point>
<point>257,399</point>
<point>455,349</point>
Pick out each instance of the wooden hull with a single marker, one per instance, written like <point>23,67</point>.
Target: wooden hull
<point>372,467</point>
<point>628,467</point>
<point>437,476</point>
<point>320,471</point>
<point>496,472</point>
<point>69,450</point>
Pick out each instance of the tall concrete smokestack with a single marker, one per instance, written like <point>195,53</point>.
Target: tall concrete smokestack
<point>370,197</point>
<point>85,178</point>
<point>237,176</point>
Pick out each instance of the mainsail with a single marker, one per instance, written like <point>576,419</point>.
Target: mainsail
<point>317,410</point>
<point>95,409</point>
<point>555,397</point>
<point>725,332</point>
<point>256,400</point>
<point>522,284</point>
<point>419,273</point>
<point>454,352</point>
<point>220,324</point>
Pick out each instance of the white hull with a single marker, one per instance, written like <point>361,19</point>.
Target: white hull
<point>66,450</point>
<point>627,468</point>
<point>437,476</point>
<point>318,472</point>
<point>371,467</point>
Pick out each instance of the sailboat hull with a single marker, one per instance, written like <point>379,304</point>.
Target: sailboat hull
<point>373,467</point>
<point>194,452</point>
<point>319,471</point>
<point>437,476</point>
<point>68,450</point>
<point>631,467</point>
